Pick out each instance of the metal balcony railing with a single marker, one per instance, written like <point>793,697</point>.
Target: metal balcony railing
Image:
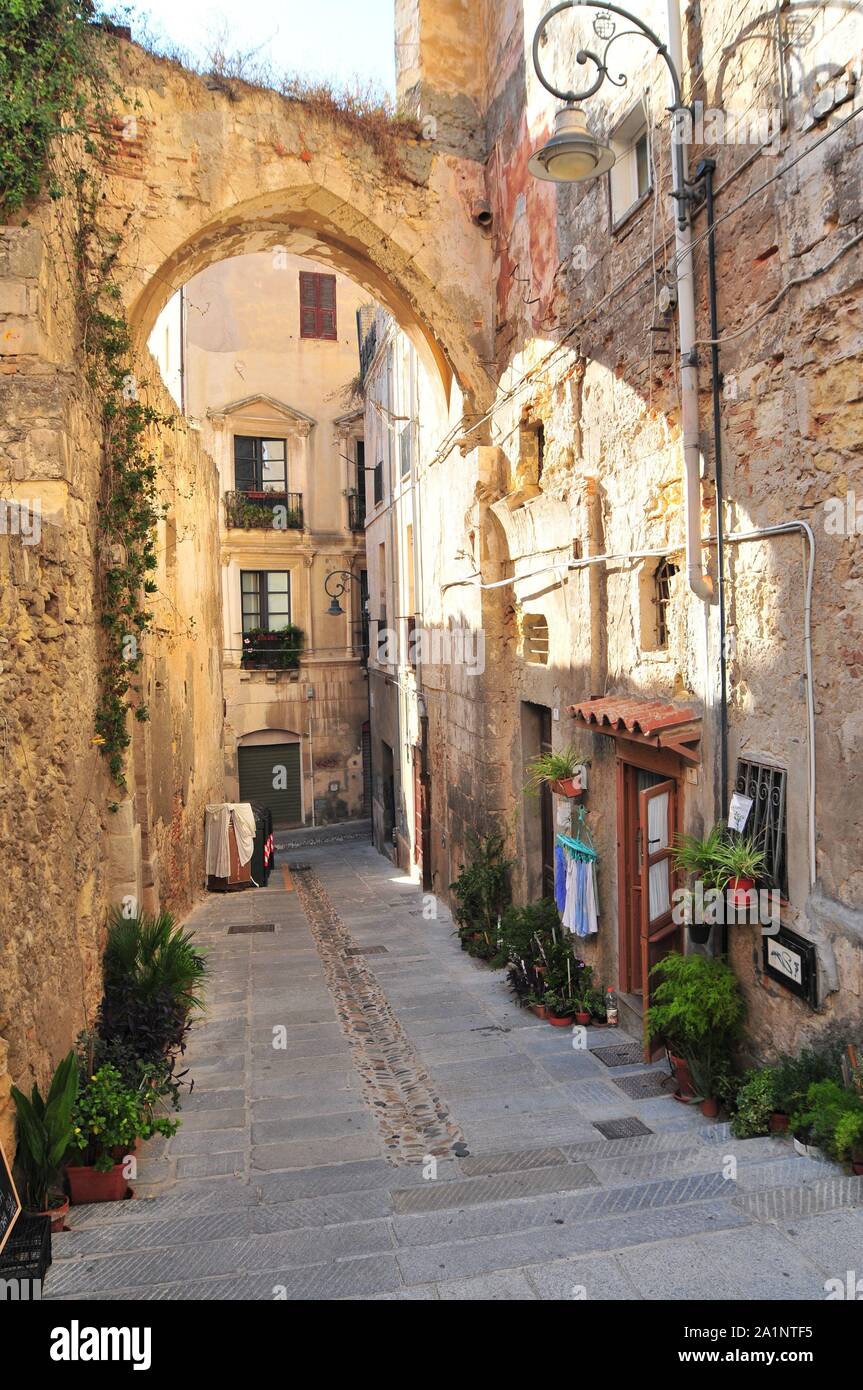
<point>272,651</point>
<point>264,511</point>
<point>356,513</point>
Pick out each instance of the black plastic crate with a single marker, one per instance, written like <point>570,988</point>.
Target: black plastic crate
<point>27,1252</point>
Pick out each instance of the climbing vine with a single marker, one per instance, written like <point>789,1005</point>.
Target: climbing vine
<point>54,84</point>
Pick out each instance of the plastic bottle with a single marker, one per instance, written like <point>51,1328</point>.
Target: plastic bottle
<point>611,1012</point>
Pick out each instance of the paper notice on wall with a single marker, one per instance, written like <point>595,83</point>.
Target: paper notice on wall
<point>738,813</point>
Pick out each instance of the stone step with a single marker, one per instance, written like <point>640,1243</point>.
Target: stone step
<point>782,1203</point>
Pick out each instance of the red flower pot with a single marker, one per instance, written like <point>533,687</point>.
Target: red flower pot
<point>685,1084</point>
<point>559,1021</point>
<point>857,1167</point>
<point>88,1185</point>
<point>566,786</point>
<point>710,1107</point>
<point>540,1010</point>
<point>778,1123</point>
<point>57,1213</point>
<point>583,1019</point>
<point>739,889</point>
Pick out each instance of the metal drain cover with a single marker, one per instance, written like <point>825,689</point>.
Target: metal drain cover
<point>621,1055</point>
<point>247,928</point>
<point>625,1128</point>
<point>366,951</point>
<point>645,1085</point>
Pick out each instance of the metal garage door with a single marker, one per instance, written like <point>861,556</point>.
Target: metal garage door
<point>260,766</point>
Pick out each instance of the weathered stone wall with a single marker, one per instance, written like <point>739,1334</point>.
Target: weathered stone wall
<point>65,855</point>
<point>582,348</point>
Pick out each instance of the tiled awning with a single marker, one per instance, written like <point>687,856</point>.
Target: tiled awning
<point>641,719</point>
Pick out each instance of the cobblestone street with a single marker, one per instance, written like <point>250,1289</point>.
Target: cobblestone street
<point>346,1039</point>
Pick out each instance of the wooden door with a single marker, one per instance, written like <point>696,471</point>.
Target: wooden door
<point>659,933</point>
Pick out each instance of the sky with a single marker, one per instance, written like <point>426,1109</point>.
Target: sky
<point>337,39</point>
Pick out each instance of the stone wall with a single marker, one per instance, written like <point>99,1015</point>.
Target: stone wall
<point>65,855</point>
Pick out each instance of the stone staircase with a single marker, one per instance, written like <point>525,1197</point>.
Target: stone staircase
<point>523,1224</point>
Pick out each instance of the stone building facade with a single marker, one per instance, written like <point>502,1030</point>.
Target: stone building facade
<point>266,382</point>
<point>562,528</point>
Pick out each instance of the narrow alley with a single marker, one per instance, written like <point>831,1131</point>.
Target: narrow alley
<point>373,1117</point>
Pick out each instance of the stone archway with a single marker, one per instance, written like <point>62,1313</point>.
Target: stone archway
<point>209,174</point>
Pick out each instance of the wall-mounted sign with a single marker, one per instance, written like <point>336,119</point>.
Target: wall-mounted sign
<point>10,1206</point>
<point>792,962</point>
<point>738,811</point>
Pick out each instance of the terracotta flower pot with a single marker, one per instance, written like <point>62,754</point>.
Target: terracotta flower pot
<point>739,890</point>
<point>857,1166</point>
<point>540,1010</point>
<point>566,786</point>
<point>88,1185</point>
<point>58,1213</point>
<point>778,1123</point>
<point>559,1020</point>
<point>685,1084</point>
<point>710,1107</point>
<point>583,1019</point>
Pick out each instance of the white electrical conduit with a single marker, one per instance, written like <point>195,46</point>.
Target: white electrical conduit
<point>784,528</point>
<point>699,582</point>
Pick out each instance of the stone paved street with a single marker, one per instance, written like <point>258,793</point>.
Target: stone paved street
<point>298,1171</point>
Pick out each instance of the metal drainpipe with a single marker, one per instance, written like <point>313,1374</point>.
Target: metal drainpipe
<point>705,172</point>
<point>699,582</point>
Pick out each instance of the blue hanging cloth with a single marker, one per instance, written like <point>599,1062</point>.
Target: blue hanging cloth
<point>559,878</point>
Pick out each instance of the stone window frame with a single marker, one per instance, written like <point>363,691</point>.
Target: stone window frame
<point>624,139</point>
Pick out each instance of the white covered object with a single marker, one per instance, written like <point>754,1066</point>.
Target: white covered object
<point>218,820</point>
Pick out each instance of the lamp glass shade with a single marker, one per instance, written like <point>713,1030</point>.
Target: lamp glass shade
<point>572,154</point>
<point>335,609</point>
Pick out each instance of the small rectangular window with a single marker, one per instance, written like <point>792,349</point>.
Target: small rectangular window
<point>765,785</point>
<point>260,465</point>
<point>266,599</point>
<point>630,176</point>
<point>536,643</point>
<point>317,305</point>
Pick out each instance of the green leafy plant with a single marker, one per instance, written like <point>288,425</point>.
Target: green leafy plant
<point>755,1103</point>
<point>551,767</point>
<point>829,1118</point>
<point>153,976</point>
<point>698,1009</point>
<point>719,857</point>
<point>793,1076</point>
<point>45,1131</point>
<point>740,857</point>
<point>482,890</point>
<point>109,1117</point>
<point>595,999</point>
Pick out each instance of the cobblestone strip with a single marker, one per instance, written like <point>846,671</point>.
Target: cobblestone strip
<point>412,1118</point>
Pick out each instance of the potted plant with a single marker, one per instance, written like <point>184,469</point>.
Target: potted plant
<point>557,770</point>
<point>581,1000</point>
<point>754,1104</point>
<point>45,1132</point>
<point>482,894</point>
<point>537,1006</point>
<point>697,1012</point>
<point>741,863</point>
<point>109,1118</point>
<point>793,1076</point>
<point>712,1081</point>
<point>830,1121</point>
<point>559,1009</point>
<point>153,975</point>
<point>595,1000</point>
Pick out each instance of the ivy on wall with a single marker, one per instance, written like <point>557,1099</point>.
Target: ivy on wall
<point>54,84</point>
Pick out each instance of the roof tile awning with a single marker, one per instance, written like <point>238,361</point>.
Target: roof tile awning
<point>641,719</point>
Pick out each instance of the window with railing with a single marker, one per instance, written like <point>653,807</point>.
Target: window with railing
<point>765,785</point>
<point>270,511</point>
<point>261,500</point>
<point>356,514</point>
<point>271,641</point>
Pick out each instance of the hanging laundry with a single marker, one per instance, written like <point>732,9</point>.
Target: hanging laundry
<point>559,878</point>
<point>580,897</point>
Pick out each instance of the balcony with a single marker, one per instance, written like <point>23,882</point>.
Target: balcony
<point>265,650</point>
<point>356,513</point>
<point>264,511</point>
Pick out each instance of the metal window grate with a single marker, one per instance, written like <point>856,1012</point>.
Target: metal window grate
<point>766,785</point>
<point>662,578</point>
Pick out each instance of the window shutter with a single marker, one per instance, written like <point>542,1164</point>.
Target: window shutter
<point>317,305</point>
<point>244,463</point>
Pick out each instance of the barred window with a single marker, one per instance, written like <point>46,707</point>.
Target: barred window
<point>766,786</point>
<point>536,640</point>
<point>663,575</point>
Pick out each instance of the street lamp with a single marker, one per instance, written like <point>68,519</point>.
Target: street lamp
<point>339,587</point>
<point>573,154</point>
